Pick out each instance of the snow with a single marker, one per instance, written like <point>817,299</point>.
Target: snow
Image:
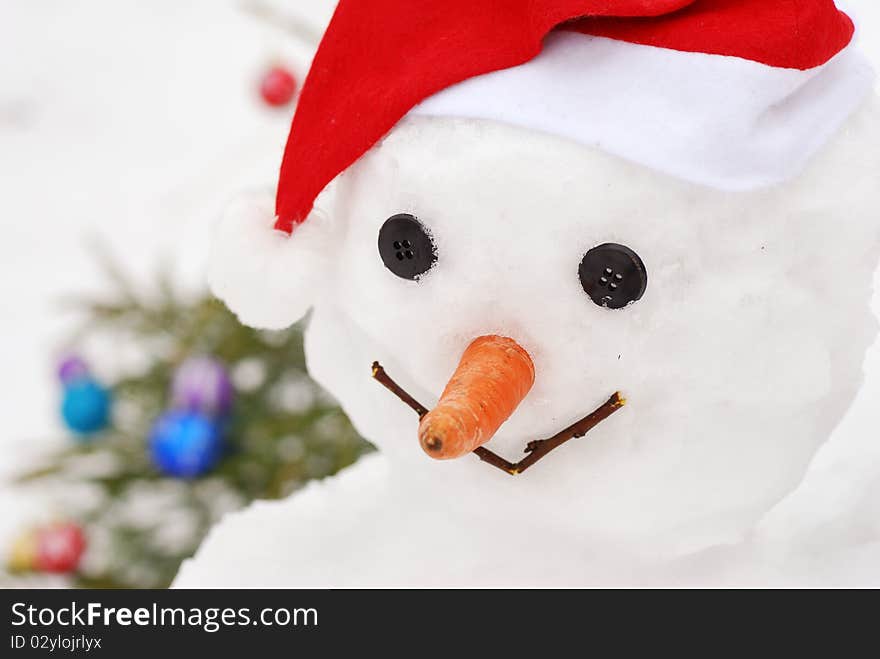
<point>136,123</point>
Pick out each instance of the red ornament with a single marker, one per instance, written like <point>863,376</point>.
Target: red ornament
<point>59,548</point>
<point>278,87</point>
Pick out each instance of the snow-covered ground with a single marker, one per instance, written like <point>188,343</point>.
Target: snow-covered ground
<point>134,122</point>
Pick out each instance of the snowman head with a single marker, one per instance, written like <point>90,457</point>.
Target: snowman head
<point>666,224</point>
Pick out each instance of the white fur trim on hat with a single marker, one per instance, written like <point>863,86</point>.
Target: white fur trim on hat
<point>720,121</point>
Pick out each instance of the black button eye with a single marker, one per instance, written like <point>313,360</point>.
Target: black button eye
<point>406,247</point>
<point>613,275</point>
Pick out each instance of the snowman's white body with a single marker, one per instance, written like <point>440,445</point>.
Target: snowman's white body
<point>738,362</point>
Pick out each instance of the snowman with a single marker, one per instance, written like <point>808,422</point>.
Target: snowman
<point>594,278</point>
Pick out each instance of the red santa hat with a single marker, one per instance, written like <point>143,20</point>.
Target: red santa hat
<point>733,94</point>
<point>721,91</point>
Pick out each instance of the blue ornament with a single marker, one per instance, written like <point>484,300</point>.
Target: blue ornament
<point>185,444</point>
<point>85,407</point>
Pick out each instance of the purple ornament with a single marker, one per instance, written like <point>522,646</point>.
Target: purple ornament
<point>71,369</point>
<point>202,385</point>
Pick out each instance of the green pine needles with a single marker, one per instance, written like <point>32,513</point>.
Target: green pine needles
<point>284,431</point>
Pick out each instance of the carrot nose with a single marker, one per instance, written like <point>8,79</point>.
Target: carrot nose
<point>493,377</point>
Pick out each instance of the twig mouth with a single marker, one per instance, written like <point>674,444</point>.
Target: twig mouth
<point>535,450</point>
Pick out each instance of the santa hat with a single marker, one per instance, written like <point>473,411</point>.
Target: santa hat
<point>734,94</point>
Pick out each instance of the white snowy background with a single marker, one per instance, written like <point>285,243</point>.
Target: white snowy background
<point>134,122</point>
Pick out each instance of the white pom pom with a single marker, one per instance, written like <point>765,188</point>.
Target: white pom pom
<point>268,278</point>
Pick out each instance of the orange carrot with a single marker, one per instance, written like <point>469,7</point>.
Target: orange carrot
<point>492,379</point>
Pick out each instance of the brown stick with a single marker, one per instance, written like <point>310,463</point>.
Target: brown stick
<point>385,380</point>
<point>496,461</point>
<point>540,448</point>
<point>537,449</point>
